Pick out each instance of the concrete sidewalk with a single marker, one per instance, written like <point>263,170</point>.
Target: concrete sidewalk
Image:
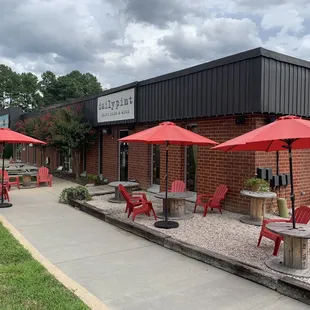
<point>125,271</point>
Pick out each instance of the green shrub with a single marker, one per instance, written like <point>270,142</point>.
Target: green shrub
<point>78,193</point>
<point>257,185</point>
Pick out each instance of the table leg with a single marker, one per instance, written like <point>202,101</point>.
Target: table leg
<point>176,207</point>
<point>118,195</point>
<point>295,253</point>
<point>256,209</point>
<point>26,181</point>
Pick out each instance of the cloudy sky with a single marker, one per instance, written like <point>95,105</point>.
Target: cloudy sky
<point>127,40</point>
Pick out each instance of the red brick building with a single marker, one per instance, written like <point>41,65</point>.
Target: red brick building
<point>220,100</point>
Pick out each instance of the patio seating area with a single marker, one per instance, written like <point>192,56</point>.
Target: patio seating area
<point>221,233</point>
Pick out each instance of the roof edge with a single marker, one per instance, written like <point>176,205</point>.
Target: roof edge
<point>284,58</point>
<point>253,53</point>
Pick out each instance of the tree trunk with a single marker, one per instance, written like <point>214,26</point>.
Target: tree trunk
<point>76,162</point>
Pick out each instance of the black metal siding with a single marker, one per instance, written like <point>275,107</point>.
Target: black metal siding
<point>14,116</point>
<point>285,88</point>
<point>228,89</point>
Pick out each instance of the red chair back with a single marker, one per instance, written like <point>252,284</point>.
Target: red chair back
<point>219,194</point>
<point>43,173</point>
<point>178,186</point>
<point>302,215</point>
<point>123,191</point>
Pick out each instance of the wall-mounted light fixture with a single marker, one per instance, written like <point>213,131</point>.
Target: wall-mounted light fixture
<point>270,119</point>
<point>240,120</point>
<point>30,144</point>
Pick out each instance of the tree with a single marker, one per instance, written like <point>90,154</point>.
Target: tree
<point>67,87</point>
<point>28,97</point>
<point>70,133</point>
<point>64,129</point>
<point>9,85</point>
<point>26,91</point>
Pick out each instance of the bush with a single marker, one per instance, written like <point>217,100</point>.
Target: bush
<point>78,193</point>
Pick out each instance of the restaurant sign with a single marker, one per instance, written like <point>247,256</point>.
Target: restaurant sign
<point>116,107</point>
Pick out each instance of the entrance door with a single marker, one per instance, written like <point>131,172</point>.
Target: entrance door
<point>123,157</point>
<point>156,164</point>
<point>191,163</point>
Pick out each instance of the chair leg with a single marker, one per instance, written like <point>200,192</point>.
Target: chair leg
<point>276,247</point>
<point>220,208</point>
<point>259,240</point>
<point>134,216</point>
<point>205,212</point>
<point>195,207</point>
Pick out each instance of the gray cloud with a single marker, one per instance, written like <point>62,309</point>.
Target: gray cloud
<point>125,40</point>
<point>216,38</point>
<point>159,12</point>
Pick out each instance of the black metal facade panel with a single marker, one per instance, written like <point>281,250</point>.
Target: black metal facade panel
<point>14,115</point>
<point>285,88</point>
<point>229,89</point>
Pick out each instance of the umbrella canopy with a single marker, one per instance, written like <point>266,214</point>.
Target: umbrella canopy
<point>168,132</point>
<point>272,137</point>
<point>9,136</point>
<point>286,133</point>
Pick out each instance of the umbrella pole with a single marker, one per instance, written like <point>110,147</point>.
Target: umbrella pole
<point>3,204</point>
<point>277,162</point>
<point>292,184</point>
<point>166,224</point>
<point>166,194</point>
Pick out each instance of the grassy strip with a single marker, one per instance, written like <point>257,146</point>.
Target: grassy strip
<point>26,284</point>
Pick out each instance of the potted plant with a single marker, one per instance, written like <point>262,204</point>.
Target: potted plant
<point>92,178</point>
<point>257,185</point>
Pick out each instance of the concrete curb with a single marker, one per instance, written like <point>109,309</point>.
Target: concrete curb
<point>284,285</point>
<point>89,299</point>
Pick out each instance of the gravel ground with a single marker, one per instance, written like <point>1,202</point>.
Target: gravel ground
<point>223,234</point>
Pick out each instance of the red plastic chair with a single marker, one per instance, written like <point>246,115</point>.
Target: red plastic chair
<point>7,180</point>
<point>177,186</point>
<point>302,215</point>
<point>136,203</point>
<point>5,192</point>
<point>43,176</point>
<point>212,201</point>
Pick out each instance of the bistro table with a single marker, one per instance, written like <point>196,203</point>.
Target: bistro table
<point>257,207</point>
<point>295,259</point>
<point>176,205</point>
<point>118,197</point>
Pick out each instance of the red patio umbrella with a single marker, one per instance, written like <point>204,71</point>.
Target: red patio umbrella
<point>9,136</point>
<point>167,133</point>
<point>286,133</point>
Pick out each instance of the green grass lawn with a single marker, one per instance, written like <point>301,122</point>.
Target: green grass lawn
<point>26,284</point>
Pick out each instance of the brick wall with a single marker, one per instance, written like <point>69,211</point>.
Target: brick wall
<point>139,161</point>
<point>213,167</point>
<point>92,157</point>
<point>301,168</point>
<point>109,154</point>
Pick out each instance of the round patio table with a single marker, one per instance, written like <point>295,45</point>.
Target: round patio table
<point>295,259</point>
<point>257,207</point>
<point>118,197</point>
<point>176,205</point>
